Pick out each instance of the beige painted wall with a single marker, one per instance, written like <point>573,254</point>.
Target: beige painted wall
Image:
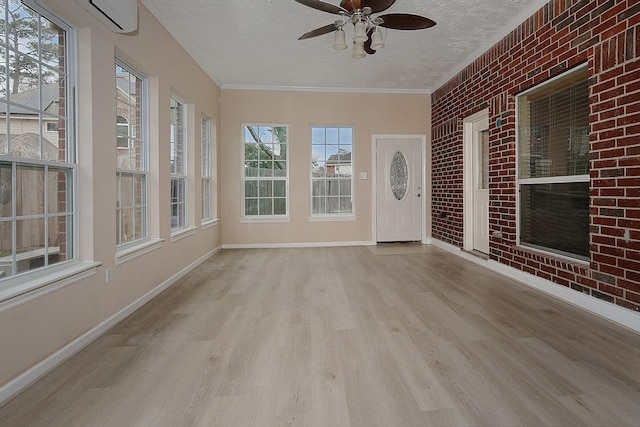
<point>370,114</point>
<point>31,332</point>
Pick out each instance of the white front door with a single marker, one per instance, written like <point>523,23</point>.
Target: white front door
<point>399,189</point>
<point>481,186</point>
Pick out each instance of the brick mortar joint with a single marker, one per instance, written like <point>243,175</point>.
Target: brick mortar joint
<point>576,267</point>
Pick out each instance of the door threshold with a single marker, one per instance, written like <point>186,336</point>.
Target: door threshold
<point>478,254</point>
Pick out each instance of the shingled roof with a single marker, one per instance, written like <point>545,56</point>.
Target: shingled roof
<point>341,157</point>
<point>28,145</point>
<point>29,102</point>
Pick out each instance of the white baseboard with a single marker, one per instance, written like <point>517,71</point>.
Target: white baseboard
<point>296,245</point>
<point>614,313</point>
<point>31,375</point>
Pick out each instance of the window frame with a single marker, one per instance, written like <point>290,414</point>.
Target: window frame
<point>55,126</point>
<point>120,125</point>
<point>34,283</point>
<point>181,178</point>
<point>143,170</point>
<point>333,216</point>
<point>562,179</point>
<point>264,218</point>
<point>206,169</point>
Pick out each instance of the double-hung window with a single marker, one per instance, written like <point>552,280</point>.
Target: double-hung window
<point>553,165</point>
<point>131,155</point>
<point>178,142</point>
<point>331,171</point>
<point>206,168</point>
<point>265,171</point>
<point>37,158</point>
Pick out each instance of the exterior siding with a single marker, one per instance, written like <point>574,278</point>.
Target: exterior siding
<point>605,34</point>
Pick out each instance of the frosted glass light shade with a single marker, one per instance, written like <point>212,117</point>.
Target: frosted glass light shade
<point>376,40</point>
<point>360,32</point>
<point>358,51</point>
<point>339,41</point>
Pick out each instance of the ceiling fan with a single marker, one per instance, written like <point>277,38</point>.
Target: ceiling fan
<point>367,36</point>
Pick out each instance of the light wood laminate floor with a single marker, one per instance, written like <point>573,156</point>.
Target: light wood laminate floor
<point>381,336</point>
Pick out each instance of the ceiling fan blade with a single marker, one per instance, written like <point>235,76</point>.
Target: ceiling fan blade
<point>322,5</point>
<point>378,5</point>
<point>367,44</point>
<point>318,32</point>
<point>406,21</point>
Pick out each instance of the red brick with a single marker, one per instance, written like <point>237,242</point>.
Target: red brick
<point>632,286</point>
<point>612,290</point>
<point>628,120</point>
<point>613,251</point>
<point>633,297</point>
<point>604,40</point>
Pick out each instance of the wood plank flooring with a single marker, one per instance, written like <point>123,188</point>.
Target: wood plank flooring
<point>380,336</point>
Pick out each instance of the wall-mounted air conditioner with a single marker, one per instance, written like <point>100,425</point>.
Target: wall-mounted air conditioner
<point>120,16</point>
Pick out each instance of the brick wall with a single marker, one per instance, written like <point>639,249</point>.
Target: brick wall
<point>605,34</point>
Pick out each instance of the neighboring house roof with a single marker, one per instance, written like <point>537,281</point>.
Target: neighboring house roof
<point>30,100</point>
<point>340,157</point>
<point>124,84</point>
<point>28,145</point>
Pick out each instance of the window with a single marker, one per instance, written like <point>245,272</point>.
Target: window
<point>553,165</point>
<point>331,170</point>
<point>265,170</point>
<point>37,185</point>
<point>52,126</point>
<point>131,155</point>
<point>207,202</point>
<point>122,130</point>
<point>178,140</point>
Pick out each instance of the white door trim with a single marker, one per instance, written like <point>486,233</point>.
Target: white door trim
<point>468,168</point>
<point>426,192</point>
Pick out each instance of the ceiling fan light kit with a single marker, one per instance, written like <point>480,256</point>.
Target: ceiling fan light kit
<point>340,42</point>
<point>377,41</point>
<point>359,32</point>
<point>367,37</point>
<point>358,50</point>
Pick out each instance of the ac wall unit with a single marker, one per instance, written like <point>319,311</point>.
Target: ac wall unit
<point>120,16</point>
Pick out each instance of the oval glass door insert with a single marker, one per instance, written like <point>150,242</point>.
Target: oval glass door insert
<point>399,176</point>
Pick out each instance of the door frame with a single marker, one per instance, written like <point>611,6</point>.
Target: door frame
<point>468,175</point>
<point>426,192</point>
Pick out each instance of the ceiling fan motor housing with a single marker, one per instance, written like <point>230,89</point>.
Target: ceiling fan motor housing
<point>351,5</point>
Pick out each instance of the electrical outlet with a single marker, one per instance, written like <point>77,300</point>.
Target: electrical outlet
<point>108,274</point>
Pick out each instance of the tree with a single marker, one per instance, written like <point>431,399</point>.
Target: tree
<point>261,151</point>
<point>26,37</point>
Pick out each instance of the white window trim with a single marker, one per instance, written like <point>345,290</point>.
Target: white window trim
<point>15,291</point>
<point>262,218</point>
<point>181,233</point>
<point>178,231</point>
<point>209,223</point>
<point>265,218</point>
<point>126,247</point>
<point>327,217</point>
<point>208,176</point>
<point>332,217</point>
<point>547,180</point>
<point>137,249</point>
<point>24,287</point>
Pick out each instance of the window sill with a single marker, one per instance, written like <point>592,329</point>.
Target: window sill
<point>136,250</point>
<point>265,219</point>
<point>328,218</point>
<point>23,289</point>
<point>209,223</point>
<point>557,260</point>
<point>182,233</point>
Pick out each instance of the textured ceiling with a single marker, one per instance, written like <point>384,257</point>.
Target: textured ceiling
<point>253,43</point>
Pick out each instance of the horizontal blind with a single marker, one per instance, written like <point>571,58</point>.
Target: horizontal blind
<point>553,128</point>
